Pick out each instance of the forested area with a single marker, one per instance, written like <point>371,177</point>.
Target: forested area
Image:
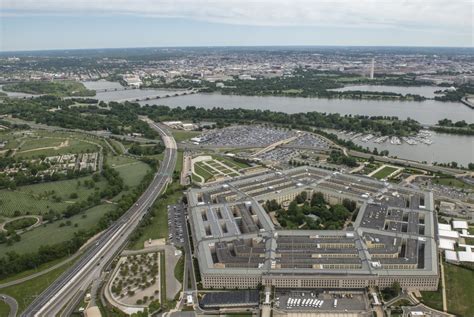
<point>57,88</point>
<point>312,213</point>
<point>117,118</point>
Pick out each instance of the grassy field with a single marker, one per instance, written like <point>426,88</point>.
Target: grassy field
<point>179,269</point>
<point>219,165</point>
<point>26,292</point>
<point>52,146</point>
<point>448,181</point>
<point>433,299</point>
<point>39,198</point>
<point>384,172</point>
<point>131,170</point>
<point>34,143</point>
<point>32,240</point>
<point>179,161</point>
<point>459,290</point>
<point>204,171</point>
<point>181,135</point>
<point>230,162</point>
<point>4,308</point>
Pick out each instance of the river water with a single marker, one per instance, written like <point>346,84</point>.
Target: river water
<point>124,95</point>
<point>427,112</point>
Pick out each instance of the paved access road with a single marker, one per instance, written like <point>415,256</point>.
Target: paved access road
<point>89,267</point>
<point>10,302</point>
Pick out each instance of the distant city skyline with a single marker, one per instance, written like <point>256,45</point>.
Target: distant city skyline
<point>81,24</point>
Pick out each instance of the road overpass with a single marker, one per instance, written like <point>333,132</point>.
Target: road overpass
<point>89,267</point>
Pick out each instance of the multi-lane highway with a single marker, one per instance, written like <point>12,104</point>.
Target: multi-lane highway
<point>89,266</point>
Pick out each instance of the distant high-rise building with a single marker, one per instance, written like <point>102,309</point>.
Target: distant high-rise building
<point>372,68</point>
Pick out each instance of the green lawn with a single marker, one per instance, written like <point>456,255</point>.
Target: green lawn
<point>73,146</point>
<point>4,308</point>
<point>459,290</point>
<point>39,142</point>
<point>203,171</point>
<point>384,172</point>
<point>179,162</point>
<point>26,292</point>
<point>179,269</point>
<point>181,135</point>
<point>131,170</point>
<point>231,163</point>
<point>77,142</point>
<point>448,181</point>
<point>55,233</point>
<point>39,198</point>
<point>433,299</point>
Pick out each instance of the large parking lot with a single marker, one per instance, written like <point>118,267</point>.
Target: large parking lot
<point>176,223</point>
<point>252,135</point>
<point>317,300</point>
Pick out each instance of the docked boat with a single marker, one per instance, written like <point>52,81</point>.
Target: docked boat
<point>395,140</point>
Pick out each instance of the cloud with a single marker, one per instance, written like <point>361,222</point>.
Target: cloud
<point>439,14</point>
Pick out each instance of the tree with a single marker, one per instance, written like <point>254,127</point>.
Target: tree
<point>349,204</point>
<point>317,199</point>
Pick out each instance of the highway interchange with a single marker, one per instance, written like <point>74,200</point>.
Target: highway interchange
<point>89,267</point>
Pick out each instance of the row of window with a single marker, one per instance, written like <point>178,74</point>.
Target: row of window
<point>422,283</point>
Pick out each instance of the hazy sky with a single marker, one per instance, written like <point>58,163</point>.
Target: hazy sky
<point>58,24</point>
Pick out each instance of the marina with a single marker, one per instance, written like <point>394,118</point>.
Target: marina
<point>432,147</point>
<point>422,137</point>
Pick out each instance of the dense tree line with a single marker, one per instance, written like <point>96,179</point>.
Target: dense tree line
<point>137,149</point>
<point>118,118</point>
<point>383,125</point>
<point>58,88</point>
<point>459,127</point>
<point>337,157</point>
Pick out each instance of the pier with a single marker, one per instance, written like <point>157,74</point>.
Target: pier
<point>468,103</point>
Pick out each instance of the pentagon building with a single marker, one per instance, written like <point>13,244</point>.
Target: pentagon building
<point>238,246</point>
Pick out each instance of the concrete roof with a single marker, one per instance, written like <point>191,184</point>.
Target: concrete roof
<point>383,215</point>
